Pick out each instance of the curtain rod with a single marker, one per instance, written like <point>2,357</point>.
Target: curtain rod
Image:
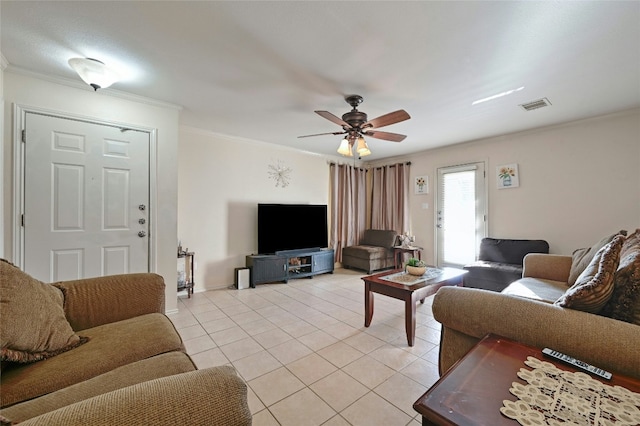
<point>333,163</point>
<point>408,163</point>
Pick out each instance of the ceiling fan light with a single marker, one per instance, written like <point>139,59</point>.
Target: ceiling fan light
<point>364,152</point>
<point>362,147</point>
<point>345,148</point>
<point>93,72</point>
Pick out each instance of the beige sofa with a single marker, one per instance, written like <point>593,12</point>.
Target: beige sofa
<point>525,312</point>
<point>132,369</point>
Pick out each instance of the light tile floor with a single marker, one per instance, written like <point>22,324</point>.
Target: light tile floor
<point>305,354</point>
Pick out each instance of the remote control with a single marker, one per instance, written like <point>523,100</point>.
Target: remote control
<point>577,363</point>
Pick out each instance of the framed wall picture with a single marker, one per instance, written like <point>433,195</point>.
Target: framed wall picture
<point>507,176</point>
<point>421,184</point>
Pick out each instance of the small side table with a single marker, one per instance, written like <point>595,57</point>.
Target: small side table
<point>186,266</point>
<point>399,252</point>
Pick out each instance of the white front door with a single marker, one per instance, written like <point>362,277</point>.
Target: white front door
<point>460,214</point>
<point>86,199</point>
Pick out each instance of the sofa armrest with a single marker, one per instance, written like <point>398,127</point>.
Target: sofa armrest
<point>213,396</point>
<point>92,302</point>
<point>468,314</point>
<point>553,267</point>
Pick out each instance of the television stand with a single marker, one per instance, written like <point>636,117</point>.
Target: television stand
<point>289,264</point>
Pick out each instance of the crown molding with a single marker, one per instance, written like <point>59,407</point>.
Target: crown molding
<point>249,141</point>
<point>81,85</point>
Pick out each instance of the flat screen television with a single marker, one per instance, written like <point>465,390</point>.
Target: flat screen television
<point>283,227</point>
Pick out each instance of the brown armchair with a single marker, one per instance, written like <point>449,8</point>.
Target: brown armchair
<point>375,251</point>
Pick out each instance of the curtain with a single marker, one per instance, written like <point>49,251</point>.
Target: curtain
<point>390,197</point>
<point>348,206</point>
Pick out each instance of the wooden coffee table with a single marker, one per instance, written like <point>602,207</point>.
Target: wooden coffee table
<point>472,391</point>
<point>411,294</point>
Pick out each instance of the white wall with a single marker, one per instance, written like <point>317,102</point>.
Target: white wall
<point>221,181</point>
<point>34,92</point>
<point>578,182</point>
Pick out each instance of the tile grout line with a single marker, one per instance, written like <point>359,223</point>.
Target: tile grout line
<point>291,305</point>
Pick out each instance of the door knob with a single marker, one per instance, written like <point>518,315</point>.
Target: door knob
<point>141,234</point>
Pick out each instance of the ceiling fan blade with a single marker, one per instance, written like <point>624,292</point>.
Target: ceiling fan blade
<point>387,119</point>
<point>320,134</point>
<point>339,121</point>
<point>393,137</point>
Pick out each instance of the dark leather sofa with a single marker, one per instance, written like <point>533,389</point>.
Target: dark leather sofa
<point>500,262</point>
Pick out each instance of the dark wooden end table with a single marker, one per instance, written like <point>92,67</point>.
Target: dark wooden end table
<point>411,294</point>
<point>399,252</point>
<point>472,391</point>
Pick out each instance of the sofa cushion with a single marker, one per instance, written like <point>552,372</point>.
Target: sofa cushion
<point>110,346</point>
<point>594,287</point>
<point>582,257</point>
<point>214,396</point>
<point>367,252</point>
<point>127,375</point>
<point>33,325</point>
<point>378,237</point>
<point>493,276</point>
<point>537,289</point>
<point>624,304</point>
<point>91,302</point>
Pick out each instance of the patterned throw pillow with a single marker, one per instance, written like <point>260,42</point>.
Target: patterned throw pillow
<point>624,304</point>
<point>632,242</point>
<point>33,325</point>
<point>594,287</point>
<point>582,257</point>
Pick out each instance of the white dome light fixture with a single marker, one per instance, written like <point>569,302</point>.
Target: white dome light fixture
<point>94,72</point>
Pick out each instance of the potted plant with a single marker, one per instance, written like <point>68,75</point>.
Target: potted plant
<point>415,266</point>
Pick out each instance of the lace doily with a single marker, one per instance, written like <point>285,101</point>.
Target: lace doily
<point>556,397</point>
<point>408,279</point>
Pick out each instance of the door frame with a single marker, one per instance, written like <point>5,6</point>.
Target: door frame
<point>19,117</point>
<point>485,207</point>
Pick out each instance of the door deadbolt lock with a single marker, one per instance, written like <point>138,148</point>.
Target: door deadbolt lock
<point>141,221</point>
<point>142,207</point>
<point>141,234</point>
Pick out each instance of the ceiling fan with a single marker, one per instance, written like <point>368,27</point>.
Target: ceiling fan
<point>355,126</point>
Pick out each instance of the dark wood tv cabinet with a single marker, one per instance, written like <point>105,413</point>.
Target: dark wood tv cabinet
<point>290,264</point>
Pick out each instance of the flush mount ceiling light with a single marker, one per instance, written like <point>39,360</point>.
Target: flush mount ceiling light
<point>94,72</point>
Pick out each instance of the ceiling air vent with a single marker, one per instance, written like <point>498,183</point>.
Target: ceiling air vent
<point>540,103</point>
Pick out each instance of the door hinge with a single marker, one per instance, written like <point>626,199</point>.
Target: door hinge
<point>22,220</point>
<point>24,136</point>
